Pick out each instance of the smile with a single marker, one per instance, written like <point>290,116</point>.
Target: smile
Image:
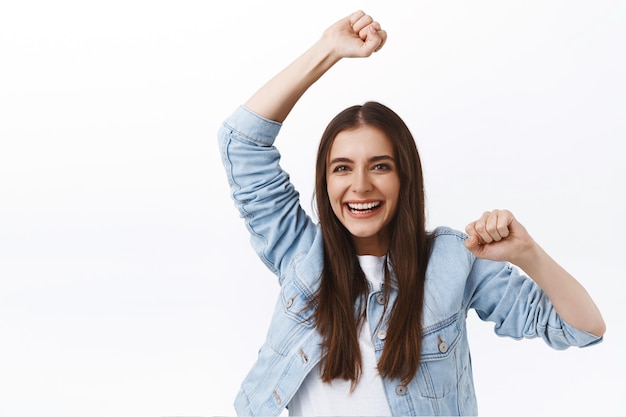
<point>363,207</point>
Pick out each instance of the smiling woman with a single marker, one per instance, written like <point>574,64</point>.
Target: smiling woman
<point>373,206</point>
<point>371,316</point>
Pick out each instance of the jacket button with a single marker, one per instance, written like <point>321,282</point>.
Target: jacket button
<point>441,345</point>
<point>400,390</point>
<point>289,302</point>
<point>382,334</point>
<point>380,299</point>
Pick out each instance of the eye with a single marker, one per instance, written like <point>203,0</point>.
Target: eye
<point>382,167</point>
<point>340,168</point>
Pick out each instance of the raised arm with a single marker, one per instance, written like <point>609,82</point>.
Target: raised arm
<point>498,236</point>
<point>357,35</point>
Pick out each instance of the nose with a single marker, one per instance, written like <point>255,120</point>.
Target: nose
<point>361,183</point>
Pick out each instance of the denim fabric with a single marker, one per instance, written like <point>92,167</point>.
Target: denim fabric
<point>290,244</point>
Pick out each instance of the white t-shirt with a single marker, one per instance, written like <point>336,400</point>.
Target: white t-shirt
<point>316,398</point>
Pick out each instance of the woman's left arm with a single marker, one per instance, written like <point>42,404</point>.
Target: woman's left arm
<point>498,236</point>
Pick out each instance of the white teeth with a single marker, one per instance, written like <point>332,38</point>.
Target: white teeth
<point>363,206</point>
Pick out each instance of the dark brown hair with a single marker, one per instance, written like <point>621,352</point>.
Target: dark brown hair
<point>341,297</point>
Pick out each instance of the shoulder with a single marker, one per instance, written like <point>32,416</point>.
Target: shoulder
<point>444,235</point>
<point>448,248</point>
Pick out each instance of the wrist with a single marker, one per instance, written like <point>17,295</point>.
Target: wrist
<point>528,255</point>
<point>326,52</point>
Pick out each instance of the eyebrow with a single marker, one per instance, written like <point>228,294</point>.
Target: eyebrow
<point>372,159</point>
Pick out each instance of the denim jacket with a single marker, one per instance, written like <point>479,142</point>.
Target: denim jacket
<point>290,244</point>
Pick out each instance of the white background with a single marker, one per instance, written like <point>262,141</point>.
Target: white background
<point>127,285</point>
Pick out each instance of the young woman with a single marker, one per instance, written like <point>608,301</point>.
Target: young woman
<point>371,314</point>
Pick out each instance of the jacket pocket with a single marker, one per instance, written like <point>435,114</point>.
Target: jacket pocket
<point>439,371</point>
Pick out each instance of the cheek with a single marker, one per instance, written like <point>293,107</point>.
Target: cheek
<point>334,192</point>
<point>332,188</point>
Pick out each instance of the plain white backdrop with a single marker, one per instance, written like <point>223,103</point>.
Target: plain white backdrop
<point>127,285</point>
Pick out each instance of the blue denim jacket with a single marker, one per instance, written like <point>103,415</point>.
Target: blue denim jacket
<point>290,244</point>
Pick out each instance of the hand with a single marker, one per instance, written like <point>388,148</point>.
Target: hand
<point>498,236</point>
<point>357,35</point>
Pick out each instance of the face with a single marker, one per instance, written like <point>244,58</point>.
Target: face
<point>363,186</point>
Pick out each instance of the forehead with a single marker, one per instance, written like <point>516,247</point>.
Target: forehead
<point>364,141</point>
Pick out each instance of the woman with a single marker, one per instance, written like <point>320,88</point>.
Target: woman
<point>371,314</point>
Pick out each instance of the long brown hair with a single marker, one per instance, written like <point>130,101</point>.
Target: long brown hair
<point>340,299</point>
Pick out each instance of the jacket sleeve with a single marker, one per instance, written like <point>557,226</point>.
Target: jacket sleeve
<point>503,294</point>
<point>262,191</point>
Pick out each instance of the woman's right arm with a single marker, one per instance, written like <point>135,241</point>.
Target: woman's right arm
<point>261,190</point>
<point>357,35</point>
